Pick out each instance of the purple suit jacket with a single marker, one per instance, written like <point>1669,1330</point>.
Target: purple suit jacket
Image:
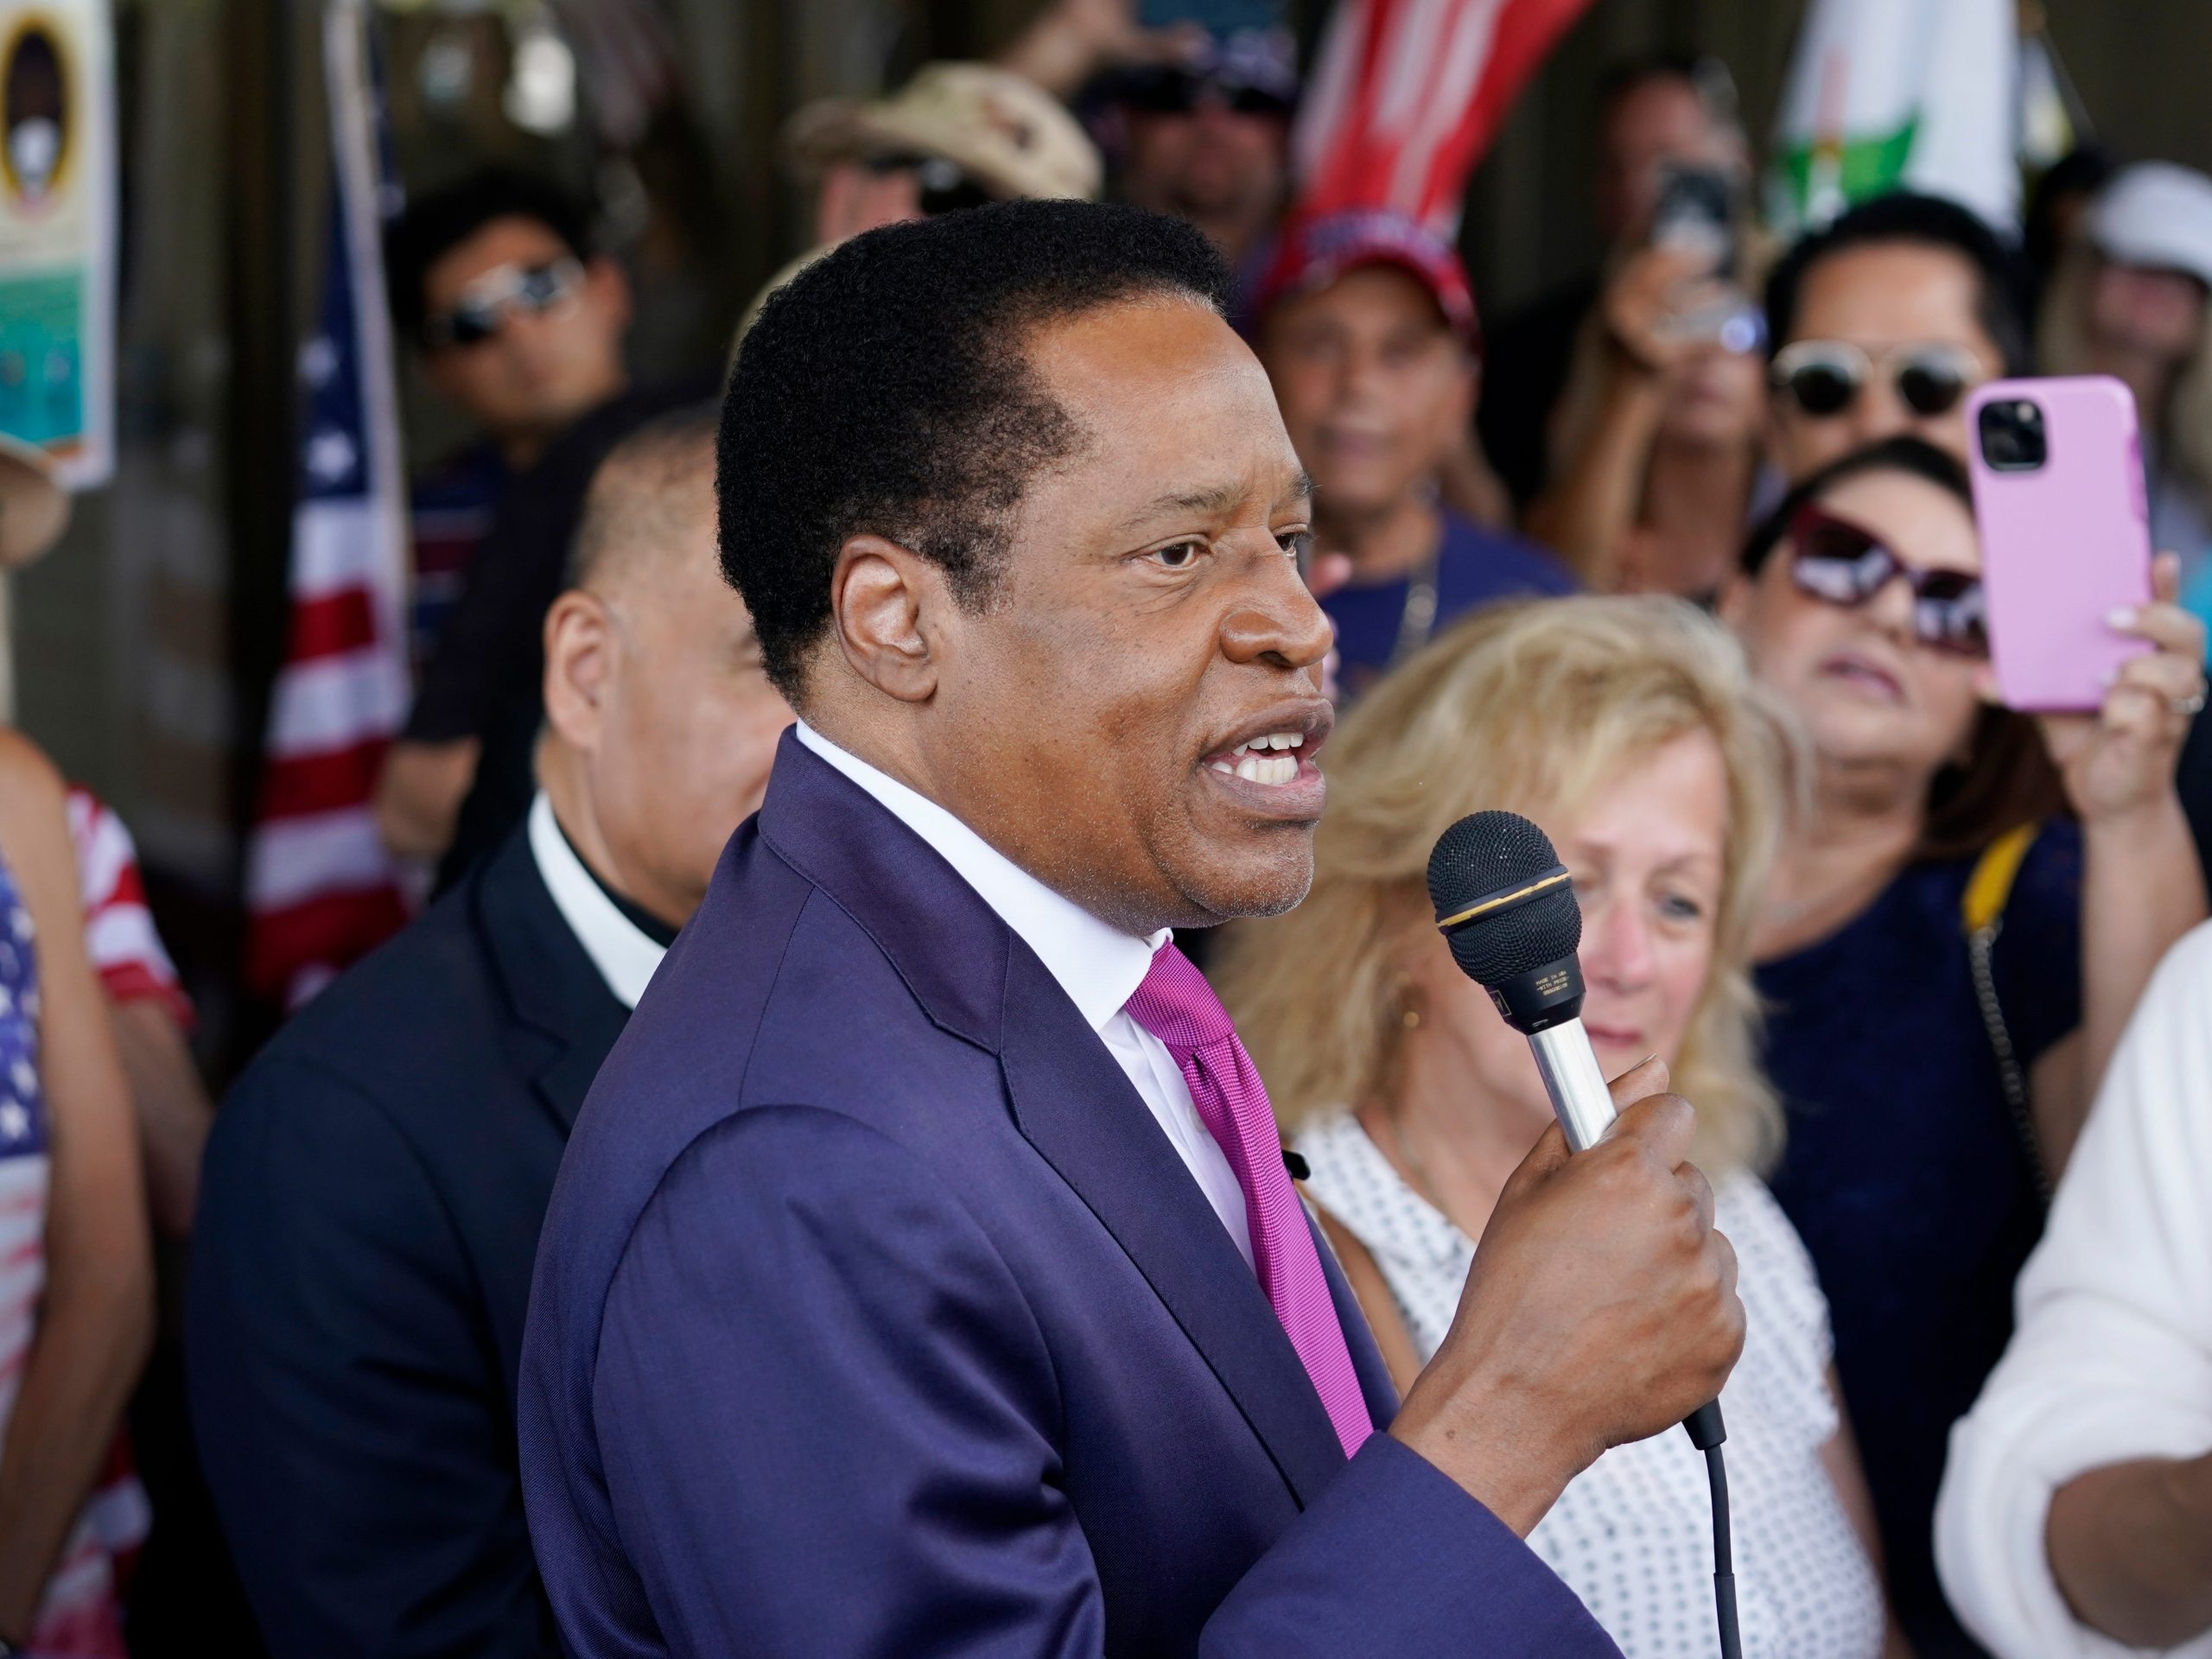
<point>875,1318</point>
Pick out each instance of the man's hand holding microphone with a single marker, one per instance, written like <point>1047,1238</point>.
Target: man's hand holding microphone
<point>1601,1307</point>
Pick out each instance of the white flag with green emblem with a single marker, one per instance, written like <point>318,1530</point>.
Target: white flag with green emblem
<point>1899,94</point>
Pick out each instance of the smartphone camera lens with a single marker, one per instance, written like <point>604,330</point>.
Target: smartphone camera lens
<point>2013,436</point>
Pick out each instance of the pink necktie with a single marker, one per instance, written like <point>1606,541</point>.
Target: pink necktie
<point>1176,1005</point>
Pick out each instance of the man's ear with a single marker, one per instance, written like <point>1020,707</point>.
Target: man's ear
<point>887,607</point>
<point>581,656</point>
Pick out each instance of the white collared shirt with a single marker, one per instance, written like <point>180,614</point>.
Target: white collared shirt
<point>625,957</point>
<point>1097,965</point>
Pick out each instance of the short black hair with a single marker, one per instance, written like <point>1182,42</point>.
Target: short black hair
<point>434,225</point>
<point>885,389</point>
<point>1926,221</point>
<point>1904,454</point>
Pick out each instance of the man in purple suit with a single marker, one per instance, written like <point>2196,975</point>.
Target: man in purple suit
<point>923,1277</point>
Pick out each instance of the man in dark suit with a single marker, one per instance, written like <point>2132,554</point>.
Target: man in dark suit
<point>924,1275</point>
<point>376,1179</point>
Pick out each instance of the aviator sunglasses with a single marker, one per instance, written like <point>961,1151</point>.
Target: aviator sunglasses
<point>1837,561</point>
<point>1823,377</point>
<point>525,290</point>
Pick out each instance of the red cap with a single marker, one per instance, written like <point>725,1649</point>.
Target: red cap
<point>1315,252</point>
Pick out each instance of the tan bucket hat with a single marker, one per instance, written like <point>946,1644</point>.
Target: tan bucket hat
<point>1004,131</point>
<point>34,510</point>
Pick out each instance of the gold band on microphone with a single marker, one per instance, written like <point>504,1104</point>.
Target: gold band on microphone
<point>1501,900</point>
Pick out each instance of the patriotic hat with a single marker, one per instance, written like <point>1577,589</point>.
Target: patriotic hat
<point>1315,252</point>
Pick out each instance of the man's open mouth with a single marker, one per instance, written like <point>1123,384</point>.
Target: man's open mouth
<point>1271,758</point>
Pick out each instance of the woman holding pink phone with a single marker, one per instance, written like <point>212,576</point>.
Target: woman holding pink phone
<point>1960,919</point>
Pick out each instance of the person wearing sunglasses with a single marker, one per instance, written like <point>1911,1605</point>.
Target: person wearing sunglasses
<point>955,135</point>
<point>1880,325</point>
<point>1207,139</point>
<point>1935,1074</point>
<point>519,325</point>
<point>520,328</point>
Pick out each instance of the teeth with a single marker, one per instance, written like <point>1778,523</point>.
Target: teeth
<point>1270,741</point>
<point>1270,769</point>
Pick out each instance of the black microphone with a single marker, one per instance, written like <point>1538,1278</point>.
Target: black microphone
<point>1506,906</point>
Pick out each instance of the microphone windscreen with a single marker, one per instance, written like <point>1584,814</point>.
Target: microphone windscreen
<point>1483,855</point>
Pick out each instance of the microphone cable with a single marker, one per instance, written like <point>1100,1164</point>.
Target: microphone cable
<point>1724,1565</point>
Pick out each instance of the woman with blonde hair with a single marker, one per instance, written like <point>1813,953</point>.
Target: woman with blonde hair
<point>1629,730</point>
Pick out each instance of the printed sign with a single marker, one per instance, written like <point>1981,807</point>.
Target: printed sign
<point>57,232</point>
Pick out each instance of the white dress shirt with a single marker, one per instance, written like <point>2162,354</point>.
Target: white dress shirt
<point>625,957</point>
<point>1098,966</point>
<point>2111,1360</point>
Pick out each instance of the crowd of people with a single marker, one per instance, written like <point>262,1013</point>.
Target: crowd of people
<point>1680,562</point>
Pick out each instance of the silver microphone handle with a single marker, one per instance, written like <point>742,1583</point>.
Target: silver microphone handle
<point>1580,1100</point>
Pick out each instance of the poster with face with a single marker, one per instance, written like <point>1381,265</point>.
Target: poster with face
<point>57,232</point>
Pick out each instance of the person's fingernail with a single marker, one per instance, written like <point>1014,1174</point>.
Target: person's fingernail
<point>2125,617</point>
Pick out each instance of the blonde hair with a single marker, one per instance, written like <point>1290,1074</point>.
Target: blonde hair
<point>2184,440</point>
<point>1531,707</point>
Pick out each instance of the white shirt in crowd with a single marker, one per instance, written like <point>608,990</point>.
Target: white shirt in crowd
<point>1098,966</point>
<point>2112,1358</point>
<point>1632,1535</point>
<point>617,947</point>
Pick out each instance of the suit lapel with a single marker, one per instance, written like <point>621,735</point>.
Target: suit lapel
<point>1071,1100</point>
<point>1075,1106</point>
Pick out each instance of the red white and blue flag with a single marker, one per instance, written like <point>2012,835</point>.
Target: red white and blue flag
<point>321,889</point>
<point>1407,94</point>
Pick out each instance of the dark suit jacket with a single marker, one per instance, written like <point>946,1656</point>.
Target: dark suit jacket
<point>359,1271</point>
<point>875,1317</point>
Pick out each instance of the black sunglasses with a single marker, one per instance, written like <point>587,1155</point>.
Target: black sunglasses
<point>1824,378</point>
<point>511,290</point>
<point>1835,560</point>
<point>945,186</point>
<point>1176,92</point>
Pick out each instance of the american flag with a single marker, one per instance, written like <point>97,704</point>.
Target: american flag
<point>1407,95</point>
<point>321,889</point>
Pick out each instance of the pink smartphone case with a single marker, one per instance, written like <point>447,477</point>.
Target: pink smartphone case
<point>2063,546</point>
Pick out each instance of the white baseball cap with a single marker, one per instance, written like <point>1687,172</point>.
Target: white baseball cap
<point>2157,215</point>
